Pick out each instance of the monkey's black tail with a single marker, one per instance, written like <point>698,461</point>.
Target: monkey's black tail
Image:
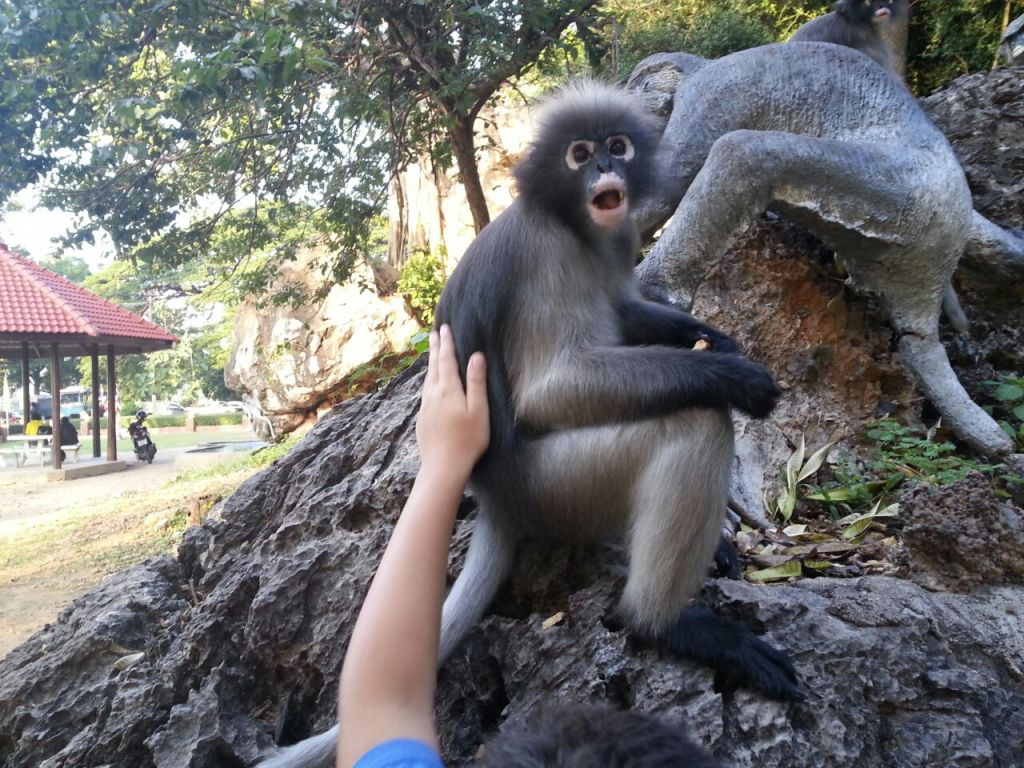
<point>488,563</point>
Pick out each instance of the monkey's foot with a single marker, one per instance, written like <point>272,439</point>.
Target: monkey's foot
<point>727,560</point>
<point>739,657</point>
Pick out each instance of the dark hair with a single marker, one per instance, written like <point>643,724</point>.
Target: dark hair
<point>595,736</point>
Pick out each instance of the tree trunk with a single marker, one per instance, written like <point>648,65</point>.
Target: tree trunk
<point>461,137</point>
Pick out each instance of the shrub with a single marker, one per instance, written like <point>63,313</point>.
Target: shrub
<point>171,420</point>
<point>218,419</point>
<point>421,282</point>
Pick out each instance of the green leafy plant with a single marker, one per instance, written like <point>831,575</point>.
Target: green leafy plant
<point>900,449</point>
<point>1009,408</point>
<point>421,282</point>
<point>899,454</point>
<point>797,470</point>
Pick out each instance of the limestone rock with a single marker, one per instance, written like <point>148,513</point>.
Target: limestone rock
<point>292,360</point>
<point>982,115</point>
<point>244,633</point>
<point>962,537</point>
<point>427,207</point>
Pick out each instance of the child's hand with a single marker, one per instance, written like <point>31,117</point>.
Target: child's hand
<point>453,427</point>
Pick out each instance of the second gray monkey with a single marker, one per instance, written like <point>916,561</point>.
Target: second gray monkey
<point>856,24</point>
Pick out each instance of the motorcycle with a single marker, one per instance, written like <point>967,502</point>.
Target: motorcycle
<point>145,448</point>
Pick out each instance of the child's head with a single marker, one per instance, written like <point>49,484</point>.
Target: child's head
<point>589,736</point>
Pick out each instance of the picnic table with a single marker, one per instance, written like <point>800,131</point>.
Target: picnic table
<point>25,447</point>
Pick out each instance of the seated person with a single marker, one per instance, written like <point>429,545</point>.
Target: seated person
<point>32,427</point>
<point>68,434</point>
<point>386,697</point>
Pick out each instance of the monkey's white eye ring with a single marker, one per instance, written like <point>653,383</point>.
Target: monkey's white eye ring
<point>620,146</point>
<point>579,153</point>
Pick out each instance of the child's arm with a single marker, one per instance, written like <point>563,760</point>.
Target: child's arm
<point>389,675</point>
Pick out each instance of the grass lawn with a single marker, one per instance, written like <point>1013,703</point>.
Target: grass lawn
<point>182,439</point>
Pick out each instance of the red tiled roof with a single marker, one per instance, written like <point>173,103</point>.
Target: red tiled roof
<point>35,300</point>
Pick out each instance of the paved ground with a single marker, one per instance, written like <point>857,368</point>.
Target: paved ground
<point>59,539</point>
<point>26,498</point>
<point>30,499</point>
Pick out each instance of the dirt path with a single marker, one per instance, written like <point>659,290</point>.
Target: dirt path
<point>34,501</point>
<point>59,539</point>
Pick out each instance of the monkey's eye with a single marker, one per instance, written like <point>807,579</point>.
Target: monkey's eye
<point>579,153</point>
<point>620,146</point>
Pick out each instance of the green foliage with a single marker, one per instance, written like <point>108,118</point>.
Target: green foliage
<point>194,366</point>
<point>1009,408</point>
<point>798,468</point>
<point>732,28</point>
<point>640,28</point>
<point>70,266</point>
<point>901,450</point>
<point>231,131</point>
<point>949,38</point>
<point>421,282</point>
<point>899,454</point>
<point>218,419</point>
<point>156,422</point>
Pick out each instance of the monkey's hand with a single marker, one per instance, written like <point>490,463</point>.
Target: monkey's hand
<point>646,322</point>
<point>715,340</point>
<point>743,384</point>
<point>739,657</point>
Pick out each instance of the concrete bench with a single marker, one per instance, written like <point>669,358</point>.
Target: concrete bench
<point>11,452</point>
<point>71,452</point>
<point>36,452</point>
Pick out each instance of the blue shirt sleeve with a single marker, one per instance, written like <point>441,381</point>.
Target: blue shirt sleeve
<point>400,753</point>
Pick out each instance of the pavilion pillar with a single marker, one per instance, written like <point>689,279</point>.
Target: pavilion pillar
<point>55,394</point>
<point>95,354</point>
<point>111,405</point>
<point>26,401</point>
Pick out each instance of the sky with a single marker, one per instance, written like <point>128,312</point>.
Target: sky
<point>34,228</point>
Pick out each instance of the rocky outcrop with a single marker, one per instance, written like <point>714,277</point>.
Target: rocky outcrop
<point>293,360</point>
<point>204,660</point>
<point>982,115</point>
<point>427,207</point>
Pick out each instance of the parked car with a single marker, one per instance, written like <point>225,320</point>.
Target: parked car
<point>234,406</point>
<point>172,409</point>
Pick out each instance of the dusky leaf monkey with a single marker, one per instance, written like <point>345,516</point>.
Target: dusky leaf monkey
<point>856,24</point>
<point>609,413</point>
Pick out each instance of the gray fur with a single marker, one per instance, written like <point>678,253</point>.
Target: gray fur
<point>315,752</point>
<point>851,25</point>
<point>830,140</point>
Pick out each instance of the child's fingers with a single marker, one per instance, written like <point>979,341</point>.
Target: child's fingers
<point>432,356</point>
<point>448,365</point>
<point>476,383</point>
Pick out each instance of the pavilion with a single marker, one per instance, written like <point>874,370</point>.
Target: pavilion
<point>45,315</point>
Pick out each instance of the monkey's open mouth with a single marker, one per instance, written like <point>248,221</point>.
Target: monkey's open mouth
<point>608,200</point>
<point>882,14</point>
